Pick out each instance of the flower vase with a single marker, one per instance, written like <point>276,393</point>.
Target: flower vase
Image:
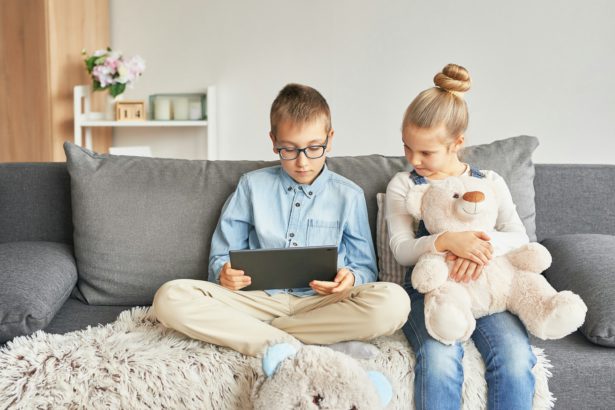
<point>110,109</point>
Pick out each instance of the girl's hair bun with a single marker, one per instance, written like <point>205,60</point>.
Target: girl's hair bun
<point>454,79</point>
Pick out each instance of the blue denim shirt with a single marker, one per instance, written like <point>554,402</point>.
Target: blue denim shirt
<point>270,210</point>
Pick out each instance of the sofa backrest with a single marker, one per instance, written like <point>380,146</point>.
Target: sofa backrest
<point>35,203</point>
<point>570,198</point>
<point>574,198</point>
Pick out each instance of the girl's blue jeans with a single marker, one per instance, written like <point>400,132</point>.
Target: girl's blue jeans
<point>503,343</point>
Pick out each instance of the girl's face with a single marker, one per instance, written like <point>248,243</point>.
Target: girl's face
<point>431,152</point>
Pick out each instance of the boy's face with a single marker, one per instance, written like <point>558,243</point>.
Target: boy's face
<point>291,135</point>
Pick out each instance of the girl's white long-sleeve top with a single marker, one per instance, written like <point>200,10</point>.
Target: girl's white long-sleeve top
<point>509,231</point>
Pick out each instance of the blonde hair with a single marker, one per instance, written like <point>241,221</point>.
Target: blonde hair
<point>442,104</point>
<point>299,104</point>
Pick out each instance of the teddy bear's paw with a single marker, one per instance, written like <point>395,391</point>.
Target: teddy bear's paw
<point>450,323</point>
<point>430,272</point>
<point>567,314</point>
<point>532,257</point>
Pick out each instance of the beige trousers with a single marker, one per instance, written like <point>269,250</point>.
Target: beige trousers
<point>249,321</point>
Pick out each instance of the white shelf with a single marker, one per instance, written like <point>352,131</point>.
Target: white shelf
<point>146,123</point>
<point>82,105</point>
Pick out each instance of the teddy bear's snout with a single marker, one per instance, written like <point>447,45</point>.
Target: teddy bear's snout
<point>474,196</point>
<point>471,204</point>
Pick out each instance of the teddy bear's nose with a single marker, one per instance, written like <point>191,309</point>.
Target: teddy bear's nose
<point>474,196</point>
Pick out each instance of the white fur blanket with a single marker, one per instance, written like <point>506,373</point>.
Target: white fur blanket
<point>138,364</point>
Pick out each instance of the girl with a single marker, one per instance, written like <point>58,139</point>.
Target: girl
<point>433,135</point>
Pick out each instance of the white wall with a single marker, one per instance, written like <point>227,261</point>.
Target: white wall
<point>543,68</point>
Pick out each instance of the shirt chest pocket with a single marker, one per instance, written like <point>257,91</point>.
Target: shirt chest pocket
<point>321,232</point>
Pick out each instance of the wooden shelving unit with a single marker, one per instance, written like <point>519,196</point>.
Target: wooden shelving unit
<point>84,124</point>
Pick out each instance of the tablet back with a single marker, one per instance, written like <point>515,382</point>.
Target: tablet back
<point>286,268</point>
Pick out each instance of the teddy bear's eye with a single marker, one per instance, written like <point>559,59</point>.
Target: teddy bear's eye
<point>317,399</point>
<point>455,196</point>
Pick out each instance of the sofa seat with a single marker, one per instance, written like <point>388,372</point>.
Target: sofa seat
<point>580,370</point>
<point>577,364</point>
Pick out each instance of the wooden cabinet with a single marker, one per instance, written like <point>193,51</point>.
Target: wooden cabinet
<point>40,64</point>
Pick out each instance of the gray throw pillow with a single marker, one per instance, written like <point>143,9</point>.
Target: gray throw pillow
<point>512,159</point>
<point>36,278</point>
<point>140,222</point>
<point>585,264</point>
<point>509,157</point>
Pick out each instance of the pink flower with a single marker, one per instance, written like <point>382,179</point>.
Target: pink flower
<point>111,63</point>
<point>109,67</point>
<point>103,75</point>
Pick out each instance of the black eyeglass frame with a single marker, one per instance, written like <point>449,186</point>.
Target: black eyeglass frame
<point>298,151</point>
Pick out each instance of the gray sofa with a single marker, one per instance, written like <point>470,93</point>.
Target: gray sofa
<point>574,204</point>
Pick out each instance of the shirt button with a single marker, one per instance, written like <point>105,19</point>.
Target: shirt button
<point>292,235</point>
<point>310,193</point>
<point>290,188</point>
<point>294,243</point>
<point>297,204</point>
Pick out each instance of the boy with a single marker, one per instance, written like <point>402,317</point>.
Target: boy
<point>298,203</point>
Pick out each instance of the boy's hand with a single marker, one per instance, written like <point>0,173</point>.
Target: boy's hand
<point>464,270</point>
<point>233,279</point>
<point>342,281</point>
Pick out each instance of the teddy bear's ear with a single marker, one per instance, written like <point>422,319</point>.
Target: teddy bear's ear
<point>383,387</point>
<point>414,197</point>
<point>274,355</point>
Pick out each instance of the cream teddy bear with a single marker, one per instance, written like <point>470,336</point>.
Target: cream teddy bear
<point>511,281</point>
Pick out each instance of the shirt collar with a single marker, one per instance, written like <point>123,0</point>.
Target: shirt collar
<point>289,185</point>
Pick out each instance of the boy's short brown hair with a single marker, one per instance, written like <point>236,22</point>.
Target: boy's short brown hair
<point>299,104</point>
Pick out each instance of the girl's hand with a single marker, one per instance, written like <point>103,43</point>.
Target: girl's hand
<point>233,279</point>
<point>463,269</point>
<point>471,245</point>
<point>342,281</point>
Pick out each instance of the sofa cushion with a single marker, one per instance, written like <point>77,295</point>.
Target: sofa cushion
<point>388,268</point>
<point>140,222</point>
<point>512,159</point>
<point>36,279</point>
<point>585,264</point>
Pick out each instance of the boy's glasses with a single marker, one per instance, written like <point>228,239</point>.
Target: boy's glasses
<point>311,152</point>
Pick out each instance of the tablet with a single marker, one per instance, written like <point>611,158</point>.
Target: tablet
<point>286,268</point>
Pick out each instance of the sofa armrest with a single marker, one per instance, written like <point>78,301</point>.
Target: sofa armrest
<point>585,264</point>
<point>36,278</point>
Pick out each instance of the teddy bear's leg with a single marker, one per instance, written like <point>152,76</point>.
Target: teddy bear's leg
<point>448,313</point>
<point>429,273</point>
<point>546,313</point>
<point>532,257</point>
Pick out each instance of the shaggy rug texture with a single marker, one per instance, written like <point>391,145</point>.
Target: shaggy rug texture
<point>135,363</point>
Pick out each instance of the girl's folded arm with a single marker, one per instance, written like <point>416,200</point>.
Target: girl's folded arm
<point>405,246</point>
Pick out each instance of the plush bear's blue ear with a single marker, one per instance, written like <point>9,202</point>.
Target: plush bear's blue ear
<point>274,356</point>
<point>383,387</point>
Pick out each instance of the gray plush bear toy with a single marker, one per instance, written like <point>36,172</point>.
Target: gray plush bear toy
<point>314,377</point>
